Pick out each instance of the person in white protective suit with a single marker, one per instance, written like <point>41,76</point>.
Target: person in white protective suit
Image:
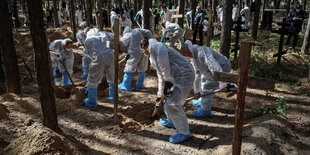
<point>125,21</point>
<point>61,56</point>
<point>175,80</point>
<point>78,16</point>
<point>235,13</point>
<point>137,60</point>
<point>139,17</point>
<point>173,28</point>
<point>81,37</point>
<point>206,61</point>
<point>166,14</point>
<point>113,17</point>
<point>245,13</point>
<point>102,62</point>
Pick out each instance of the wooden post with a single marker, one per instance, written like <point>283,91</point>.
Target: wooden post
<point>56,13</point>
<point>8,50</point>
<point>42,61</point>
<point>100,15</point>
<point>72,16</point>
<point>116,50</point>
<point>226,28</point>
<point>181,11</point>
<point>244,62</point>
<point>288,7</point>
<point>210,25</point>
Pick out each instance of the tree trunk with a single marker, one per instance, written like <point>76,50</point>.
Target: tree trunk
<point>48,3</point>
<point>277,4</point>
<point>100,15</point>
<point>15,14</point>
<point>305,4</point>
<point>55,13</point>
<point>2,74</point>
<point>42,63</point>
<point>306,42</point>
<point>109,12</point>
<point>8,50</point>
<point>193,7</point>
<point>72,16</point>
<point>263,16</point>
<point>24,6</point>
<point>84,11</point>
<point>120,4</point>
<point>181,11</point>
<point>256,19</point>
<point>226,28</point>
<point>139,5</point>
<point>146,14</point>
<point>89,14</point>
<point>288,6</point>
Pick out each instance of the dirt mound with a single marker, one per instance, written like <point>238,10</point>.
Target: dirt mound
<point>42,141</point>
<point>269,134</point>
<point>59,33</point>
<point>3,112</point>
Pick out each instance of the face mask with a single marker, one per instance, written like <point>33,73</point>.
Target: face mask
<point>196,10</point>
<point>297,10</point>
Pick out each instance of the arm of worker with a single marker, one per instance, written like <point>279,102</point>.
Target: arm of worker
<point>160,90</point>
<point>137,17</point>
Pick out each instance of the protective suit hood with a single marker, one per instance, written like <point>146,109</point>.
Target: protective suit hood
<point>93,32</point>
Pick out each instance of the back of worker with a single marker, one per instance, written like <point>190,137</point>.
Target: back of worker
<point>102,62</point>
<point>176,31</point>
<point>173,69</point>
<point>137,60</point>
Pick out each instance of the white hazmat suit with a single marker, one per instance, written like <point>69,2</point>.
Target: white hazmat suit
<point>176,31</point>
<point>113,17</point>
<point>245,13</point>
<point>205,61</point>
<point>140,14</point>
<point>172,67</point>
<point>80,36</point>
<point>102,59</point>
<point>65,55</point>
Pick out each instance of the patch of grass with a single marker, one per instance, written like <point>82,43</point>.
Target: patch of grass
<point>279,108</point>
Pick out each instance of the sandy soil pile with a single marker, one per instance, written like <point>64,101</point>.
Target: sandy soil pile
<point>42,141</point>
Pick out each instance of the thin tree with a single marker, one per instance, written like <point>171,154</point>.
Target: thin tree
<point>100,3</point>
<point>2,74</point>
<point>89,14</point>
<point>109,12</point>
<point>146,14</point>
<point>181,11</point>
<point>306,42</point>
<point>226,28</point>
<point>288,6</point>
<point>8,50</point>
<point>193,7</point>
<point>256,19</point>
<point>15,14</point>
<point>42,64</point>
<point>72,21</point>
<point>56,13</point>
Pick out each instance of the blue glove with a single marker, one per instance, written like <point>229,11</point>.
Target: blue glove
<point>162,39</point>
<point>167,88</point>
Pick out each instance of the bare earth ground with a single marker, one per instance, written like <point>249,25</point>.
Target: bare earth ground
<point>93,131</point>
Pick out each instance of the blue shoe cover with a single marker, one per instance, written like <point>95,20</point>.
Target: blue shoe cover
<point>65,79</point>
<point>126,84</point>
<point>84,76</point>
<point>196,103</point>
<point>111,93</point>
<point>165,122</point>
<point>54,74</point>
<point>91,101</point>
<point>200,113</point>
<point>140,81</point>
<point>179,138</point>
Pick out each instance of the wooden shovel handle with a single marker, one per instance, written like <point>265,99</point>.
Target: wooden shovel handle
<point>160,104</point>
